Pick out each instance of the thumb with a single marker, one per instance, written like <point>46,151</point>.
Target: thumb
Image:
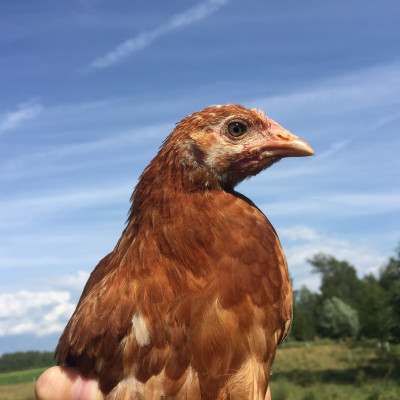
<point>65,383</point>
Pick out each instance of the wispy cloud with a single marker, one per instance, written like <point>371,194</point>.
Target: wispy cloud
<point>302,242</point>
<point>343,95</point>
<point>70,282</point>
<point>80,198</point>
<point>144,39</point>
<point>24,112</point>
<point>337,204</point>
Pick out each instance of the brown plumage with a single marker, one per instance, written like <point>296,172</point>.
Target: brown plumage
<point>195,297</point>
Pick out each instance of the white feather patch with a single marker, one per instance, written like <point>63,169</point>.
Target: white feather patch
<point>140,329</point>
<point>221,151</point>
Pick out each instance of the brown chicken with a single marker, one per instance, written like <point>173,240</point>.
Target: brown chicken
<point>195,297</point>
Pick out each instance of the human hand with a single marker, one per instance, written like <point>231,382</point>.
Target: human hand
<point>61,383</point>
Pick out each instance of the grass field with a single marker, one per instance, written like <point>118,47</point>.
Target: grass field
<point>19,391</point>
<point>323,371</point>
<point>336,371</point>
<point>19,385</point>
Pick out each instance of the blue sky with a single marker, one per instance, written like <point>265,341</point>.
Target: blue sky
<point>90,88</point>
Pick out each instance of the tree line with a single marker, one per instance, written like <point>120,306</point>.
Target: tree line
<point>25,360</point>
<point>347,306</point>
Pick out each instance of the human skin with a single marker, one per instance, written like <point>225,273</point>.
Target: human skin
<point>65,383</point>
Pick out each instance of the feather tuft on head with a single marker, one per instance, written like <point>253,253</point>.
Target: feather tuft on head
<point>260,113</point>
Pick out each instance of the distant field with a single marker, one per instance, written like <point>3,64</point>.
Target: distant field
<point>336,371</point>
<point>319,371</point>
<point>19,385</point>
<point>29,375</point>
<point>19,391</point>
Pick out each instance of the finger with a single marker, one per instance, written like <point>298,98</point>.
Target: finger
<point>268,394</point>
<point>62,383</point>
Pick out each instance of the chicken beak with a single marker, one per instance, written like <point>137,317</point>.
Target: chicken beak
<point>283,143</point>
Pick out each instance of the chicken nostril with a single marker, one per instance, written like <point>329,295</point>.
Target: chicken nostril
<point>285,135</point>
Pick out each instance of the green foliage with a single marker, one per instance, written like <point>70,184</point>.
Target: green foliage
<point>339,279</point>
<point>375,300</point>
<point>344,370</point>
<point>310,395</point>
<point>282,391</point>
<point>303,327</point>
<point>289,344</point>
<point>373,310</point>
<point>25,360</point>
<point>389,280</point>
<point>338,319</point>
<point>305,313</point>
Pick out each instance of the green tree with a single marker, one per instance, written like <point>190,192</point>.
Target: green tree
<point>25,360</point>
<point>304,314</point>
<point>338,279</point>
<point>338,320</point>
<point>373,310</point>
<point>389,280</point>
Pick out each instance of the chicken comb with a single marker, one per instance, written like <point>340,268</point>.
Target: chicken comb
<point>260,113</point>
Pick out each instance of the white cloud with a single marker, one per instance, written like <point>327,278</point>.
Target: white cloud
<point>333,149</point>
<point>302,242</point>
<point>74,282</point>
<point>45,312</point>
<point>69,157</point>
<point>24,112</point>
<point>144,39</point>
<point>299,232</point>
<point>80,198</point>
<point>337,205</point>
<point>15,261</point>
<point>38,313</point>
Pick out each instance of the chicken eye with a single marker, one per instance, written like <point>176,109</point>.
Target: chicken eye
<point>236,129</point>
